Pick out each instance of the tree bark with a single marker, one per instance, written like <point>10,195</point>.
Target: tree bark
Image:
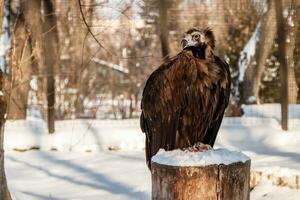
<point>281,34</point>
<point>21,71</point>
<point>82,54</point>
<point>43,27</point>
<point>50,49</point>
<point>214,182</point>
<point>268,34</point>
<point>291,28</point>
<point>163,27</point>
<point>33,20</point>
<point>254,72</point>
<point>4,192</point>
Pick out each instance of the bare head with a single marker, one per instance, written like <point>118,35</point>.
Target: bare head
<point>198,38</point>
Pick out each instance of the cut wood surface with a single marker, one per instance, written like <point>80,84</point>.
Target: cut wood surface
<point>212,182</point>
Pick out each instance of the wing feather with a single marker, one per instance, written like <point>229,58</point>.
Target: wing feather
<point>222,103</point>
<point>181,101</point>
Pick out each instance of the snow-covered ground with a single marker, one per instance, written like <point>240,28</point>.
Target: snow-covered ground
<point>265,190</point>
<point>53,175</point>
<point>81,166</point>
<point>113,175</point>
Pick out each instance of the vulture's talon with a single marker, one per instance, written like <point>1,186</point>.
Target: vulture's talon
<point>199,147</point>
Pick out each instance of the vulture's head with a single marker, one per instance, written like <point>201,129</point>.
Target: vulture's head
<point>198,38</point>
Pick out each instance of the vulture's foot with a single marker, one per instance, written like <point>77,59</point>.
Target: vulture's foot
<point>199,147</point>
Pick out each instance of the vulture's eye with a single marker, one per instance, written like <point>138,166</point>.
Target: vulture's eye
<point>196,36</point>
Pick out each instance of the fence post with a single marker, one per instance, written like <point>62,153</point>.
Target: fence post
<point>211,182</point>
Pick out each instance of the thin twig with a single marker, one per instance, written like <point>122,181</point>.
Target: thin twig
<point>89,29</point>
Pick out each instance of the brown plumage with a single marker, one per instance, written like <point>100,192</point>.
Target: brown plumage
<point>184,99</point>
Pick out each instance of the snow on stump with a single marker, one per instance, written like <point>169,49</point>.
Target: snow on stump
<point>210,175</point>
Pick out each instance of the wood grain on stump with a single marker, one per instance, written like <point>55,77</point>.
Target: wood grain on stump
<point>212,182</point>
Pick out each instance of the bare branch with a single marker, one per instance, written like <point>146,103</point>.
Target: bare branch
<point>89,29</point>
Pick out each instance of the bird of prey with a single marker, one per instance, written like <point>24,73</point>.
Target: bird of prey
<point>184,99</point>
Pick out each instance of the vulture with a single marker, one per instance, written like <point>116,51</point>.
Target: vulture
<point>184,99</point>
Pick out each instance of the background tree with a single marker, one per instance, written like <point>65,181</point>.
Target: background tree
<point>85,77</point>
<point>43,29</point>
<point>4,13</point>
<point>281,34</point>
<point>262,73</point>
<point>21,65</point>
<point>163,6</point>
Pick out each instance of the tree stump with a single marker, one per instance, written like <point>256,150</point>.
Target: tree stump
<point>229,181</point>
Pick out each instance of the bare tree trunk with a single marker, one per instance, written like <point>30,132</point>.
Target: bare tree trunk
<point>77,41</point>
<point>33,20</point>
<point>268,33</point>
<point>297,45</point>
<point>131,106</point>
<point>290,46</point>
<point>4,193</point>
<point>254,72</point>
<point>283,65</point>
<point>163,27</point>
<point>82,52</point>
<point>50,49</point>
<point>21,71</point>
<point>43,27</point>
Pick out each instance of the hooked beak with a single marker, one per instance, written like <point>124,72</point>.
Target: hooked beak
<point>184,43</point>
<point>187,42</point>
